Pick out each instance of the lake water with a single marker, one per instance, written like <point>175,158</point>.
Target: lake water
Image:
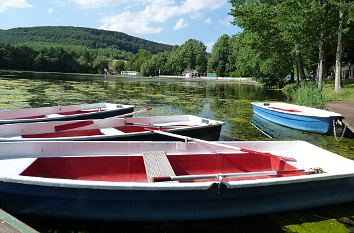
<point>226,101</point>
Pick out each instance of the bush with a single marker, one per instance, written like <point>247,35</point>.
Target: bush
<point>309,95</point>
<point>306,94</point>
<point>290,89</point>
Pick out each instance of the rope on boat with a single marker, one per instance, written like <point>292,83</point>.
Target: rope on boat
<point>220,178</point>
<point>335,131</point>
<point>261,131</point>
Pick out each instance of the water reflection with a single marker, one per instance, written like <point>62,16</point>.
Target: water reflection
<point>277,131</point>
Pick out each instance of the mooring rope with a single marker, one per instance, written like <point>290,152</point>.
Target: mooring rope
<point>335,131</point>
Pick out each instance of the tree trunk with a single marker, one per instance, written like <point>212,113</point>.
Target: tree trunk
<point>337,85</point>
<point>297,74</point>
<point>320,62</point>
<point>300,65</point>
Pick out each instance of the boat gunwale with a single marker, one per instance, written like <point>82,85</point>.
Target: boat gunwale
<point>161,186</point>
<point>37,151</point>
<point>37,120</point>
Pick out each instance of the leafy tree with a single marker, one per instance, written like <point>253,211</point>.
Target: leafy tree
<point>190,55</point>
<point>117,65</point>
<point>156,65</point>
<point>219,57</point>
<point>100,63</point>
<point>288,32</point>
<point>138,59</point>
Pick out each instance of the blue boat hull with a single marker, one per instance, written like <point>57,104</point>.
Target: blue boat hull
<point>151,205</point>
<point>320,125</point>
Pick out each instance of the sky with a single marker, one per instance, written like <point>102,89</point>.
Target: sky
<point>165,21</point>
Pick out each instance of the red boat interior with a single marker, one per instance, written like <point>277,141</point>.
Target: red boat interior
<point>285,109</point>
<point>132,168</point>
<point>93,132</point>
<point>62,113</point>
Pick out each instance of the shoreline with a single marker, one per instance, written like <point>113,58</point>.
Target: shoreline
<point>225,79</point>
<point>243,80</point>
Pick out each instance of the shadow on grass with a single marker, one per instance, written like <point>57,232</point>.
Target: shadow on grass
<point>334,218</point>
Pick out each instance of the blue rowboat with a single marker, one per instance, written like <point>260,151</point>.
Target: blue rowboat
<point>201,180</point>
<point>297,117</point>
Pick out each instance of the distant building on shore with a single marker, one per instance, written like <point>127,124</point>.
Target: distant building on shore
<point>190,73</point>
<point>128,72</point>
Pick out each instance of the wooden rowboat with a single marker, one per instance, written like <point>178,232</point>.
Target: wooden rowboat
<point>122,129</point>
<point>207,180</point>
<point>64,113</point>
<point>297,117</point>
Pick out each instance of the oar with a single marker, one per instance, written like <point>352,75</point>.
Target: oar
<point>221,145</point>
<point>79,124</point>
<point>133,113</point>
<point>229,175</point>
<point>156,126</point>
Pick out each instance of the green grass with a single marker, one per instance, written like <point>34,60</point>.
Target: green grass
<point>308,94</point>
<point>346,93</point>
<point>298,222</point>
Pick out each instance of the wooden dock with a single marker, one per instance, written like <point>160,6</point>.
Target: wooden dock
<point>10,224</point>
<point>346,108</point>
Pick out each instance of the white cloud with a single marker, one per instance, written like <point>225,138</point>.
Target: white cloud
<point>50,10</point>
<point>128,23</point>
<point>99,3</point>
<point>208,21</point>
<point>153,13</point>
<point>181,23</point>
<point>226,21</point>
<point>210,46</point>
<point>7,4</point>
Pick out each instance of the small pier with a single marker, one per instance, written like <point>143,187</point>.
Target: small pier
<point>10,224</point>
<point>346,108</point>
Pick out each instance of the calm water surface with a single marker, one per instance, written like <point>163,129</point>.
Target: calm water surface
<point>226,101</point>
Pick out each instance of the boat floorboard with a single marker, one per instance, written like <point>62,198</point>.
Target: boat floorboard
<point>346,108</point>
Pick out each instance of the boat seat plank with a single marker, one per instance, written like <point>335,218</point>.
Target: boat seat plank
<point>111,131</point>
<point>157,165</point>
<point>53,115</point>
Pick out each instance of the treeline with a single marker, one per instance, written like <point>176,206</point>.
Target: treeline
<point>49,57</point>
<point>294,37</point>
<point>87,37</point>
<point>58,58</point>
<point>223,60</point>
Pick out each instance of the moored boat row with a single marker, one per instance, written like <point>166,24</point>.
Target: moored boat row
<point>56,169</point>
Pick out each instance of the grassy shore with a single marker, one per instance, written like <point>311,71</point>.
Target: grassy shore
<point>346,93</point>
<point>308,94</point>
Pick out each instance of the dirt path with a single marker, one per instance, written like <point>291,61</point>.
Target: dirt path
<point>346,108</point>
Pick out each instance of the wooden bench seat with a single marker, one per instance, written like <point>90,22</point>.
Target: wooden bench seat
<point>157,165</point>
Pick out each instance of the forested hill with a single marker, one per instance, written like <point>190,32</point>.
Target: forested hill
<point>88,37</point>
